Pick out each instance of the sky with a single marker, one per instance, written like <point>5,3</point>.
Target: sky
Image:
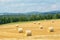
<point>22,6</point>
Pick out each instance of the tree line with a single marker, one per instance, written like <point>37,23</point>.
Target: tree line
<point>17,18</point>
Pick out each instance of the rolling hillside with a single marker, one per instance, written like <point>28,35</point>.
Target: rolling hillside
<point>30,13</point>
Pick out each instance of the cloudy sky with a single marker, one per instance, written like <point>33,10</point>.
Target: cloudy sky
<point>17,6</point>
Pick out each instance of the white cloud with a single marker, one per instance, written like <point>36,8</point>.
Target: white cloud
<point>54,6</point>
<point>22,5</point>
<point>27,5</point>
<point>6,0</point>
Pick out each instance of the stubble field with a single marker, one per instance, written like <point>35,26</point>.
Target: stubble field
<point>9,31</point>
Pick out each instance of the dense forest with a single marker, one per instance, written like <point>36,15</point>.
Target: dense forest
<point>16,17</point>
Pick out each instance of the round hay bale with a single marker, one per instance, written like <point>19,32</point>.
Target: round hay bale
<point>41,27</point>
<point>28,33</point>
<point>39,23</point>
<point>17,26</point>
<point>20,30</point>
<point>34,22</point>
<point>53,21</point>
<point>51,29</point>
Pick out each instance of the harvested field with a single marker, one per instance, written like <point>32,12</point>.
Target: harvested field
<point>9,31</point>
